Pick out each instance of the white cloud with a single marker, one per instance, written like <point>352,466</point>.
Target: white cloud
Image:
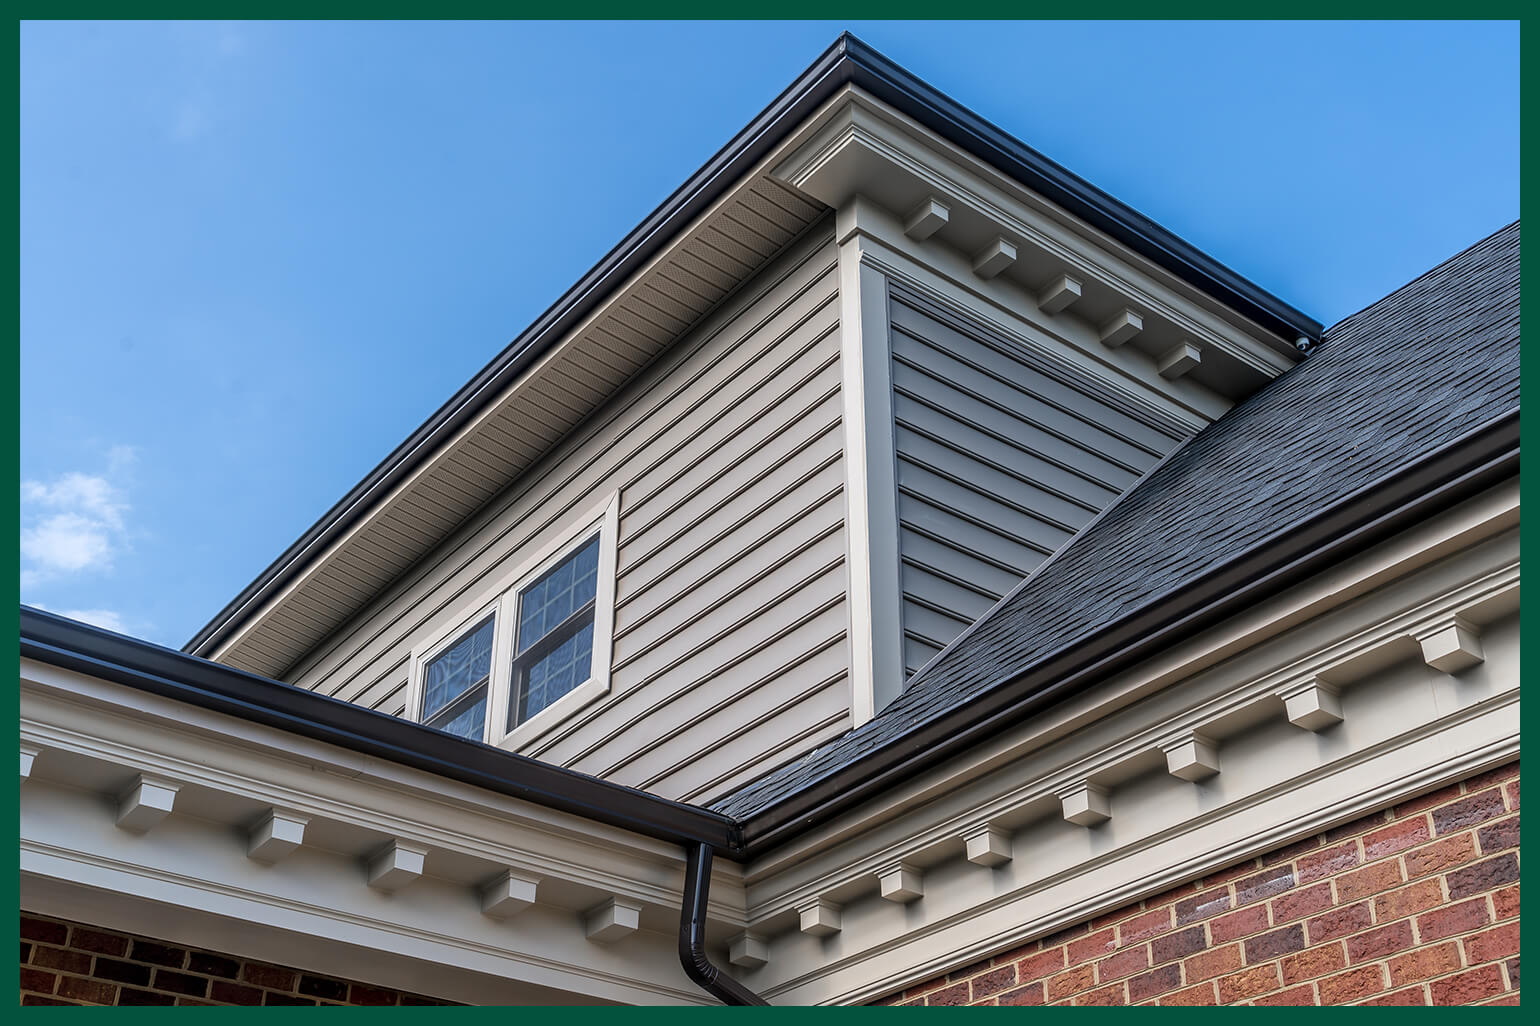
<point>67,542</point>
<point>74,523</point>
<point>104,618</point>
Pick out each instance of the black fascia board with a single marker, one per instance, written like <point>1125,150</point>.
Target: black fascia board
<point>847,61</point>
<point>93,651</point>
<point>1461,468</point>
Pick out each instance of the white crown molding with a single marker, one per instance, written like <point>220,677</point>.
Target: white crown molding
<point>76,717</point>
<point>859,144</point>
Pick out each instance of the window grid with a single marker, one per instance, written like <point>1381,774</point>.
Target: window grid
<point>555,633</point>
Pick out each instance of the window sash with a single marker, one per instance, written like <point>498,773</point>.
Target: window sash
<point>461,703</point>
<point>442,651</point>
<point>549,642</point>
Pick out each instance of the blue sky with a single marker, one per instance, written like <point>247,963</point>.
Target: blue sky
<point>255,256</point>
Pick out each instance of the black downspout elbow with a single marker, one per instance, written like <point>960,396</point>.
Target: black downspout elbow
<point>692,934</point>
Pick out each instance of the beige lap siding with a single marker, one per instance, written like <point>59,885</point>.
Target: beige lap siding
<point>1415,905</point>
<point>65,963</point>
<point>729,648</point>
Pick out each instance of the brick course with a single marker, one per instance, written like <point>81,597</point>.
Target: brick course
<point>1414,905</point>
<point>65,963</point>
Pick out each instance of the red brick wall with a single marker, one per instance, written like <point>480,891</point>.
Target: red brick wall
<point>65,963</point>
<point>1416,905</point>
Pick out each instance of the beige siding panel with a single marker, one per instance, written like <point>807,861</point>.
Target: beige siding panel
<point>727,454</point>
<point>778,655</point>
<point>726,598</point>
<point>621,440</point>
<point>726,537</point>
<point>818,656</point>
<point>756,744</point>
<point>805,740</point>
<point>999,461</point>
<point>661,521</point>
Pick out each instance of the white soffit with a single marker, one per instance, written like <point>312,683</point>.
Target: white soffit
<point>662,301</point>
<point>859,146</point>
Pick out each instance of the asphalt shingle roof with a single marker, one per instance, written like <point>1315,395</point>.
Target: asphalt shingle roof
<point>1432,361</point>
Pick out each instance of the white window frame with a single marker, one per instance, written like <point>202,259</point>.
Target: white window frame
<point>501,598</point>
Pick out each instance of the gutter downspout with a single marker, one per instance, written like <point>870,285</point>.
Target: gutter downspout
<point>692,934</point>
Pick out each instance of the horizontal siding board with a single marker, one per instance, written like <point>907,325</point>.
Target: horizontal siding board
<point>656,744</point>
<point>784,454</point>
<point>806,740</point>
<point>735,410</point>
<point>1003,361</point>
<point>1001,512</point>
<point>816,497</point>
<point>774,656</point>
<point>757,741</point>
<point>999,461</point>
<point>727,598</point>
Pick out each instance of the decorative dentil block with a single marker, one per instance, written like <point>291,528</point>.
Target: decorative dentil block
<point>1452,647</point>
<point>507,894</point>
<point>1313,705</point>
<point>275,835</point>
<point>901,882</point>
<point>748,951</point>
<point>1085,804</point>
<point>927,219</point>
<point>614,919</point>
<point>819,917</point>
<point>994,258</point>
<point>1193,757</point>
<point>1124,326</point>
<point>147,801</point>
<point>1059,294</point>
<point>1179,359</point>
<point>988,846</point>
<point>396,865</point>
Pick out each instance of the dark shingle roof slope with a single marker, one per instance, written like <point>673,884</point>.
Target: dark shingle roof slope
<point>1432,361</point>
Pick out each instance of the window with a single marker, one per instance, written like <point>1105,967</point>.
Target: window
<point>533,649</point>
<point>454,684</point>
<point>555,634</point>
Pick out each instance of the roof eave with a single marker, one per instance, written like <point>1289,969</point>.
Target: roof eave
<point>90,650</point>
<point>847,61</point>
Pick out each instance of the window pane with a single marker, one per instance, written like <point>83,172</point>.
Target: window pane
<point>558,672</point>
<point>458,668</point>
<point>469,723</point>
<point>563,590</point>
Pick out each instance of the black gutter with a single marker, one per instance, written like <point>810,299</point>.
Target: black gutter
<point>692,935</point>
<point>1456,471</point>
<point>848,61</point>
<point>162,671</point>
